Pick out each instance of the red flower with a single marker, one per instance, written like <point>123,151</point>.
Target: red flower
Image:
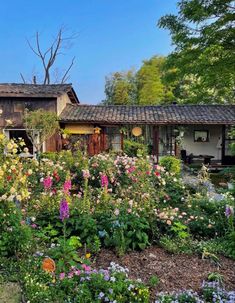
<point>157,173</point>
<point>9,178</point>
<point>56,176</point>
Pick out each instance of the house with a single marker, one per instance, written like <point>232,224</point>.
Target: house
<point>198,132</point>
<point>16,98</point>
<point>201,131</point>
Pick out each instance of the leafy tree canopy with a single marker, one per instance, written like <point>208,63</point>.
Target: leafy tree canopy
<point>120,88</point>
<point>151,88</point>
<point>203,60</point>
<point>146,86</point>
<point>40,125</point>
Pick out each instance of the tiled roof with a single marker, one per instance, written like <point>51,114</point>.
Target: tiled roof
<point>35,90</point>
<point>168,114</point>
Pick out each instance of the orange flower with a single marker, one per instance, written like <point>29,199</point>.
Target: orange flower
<point>48,265</point>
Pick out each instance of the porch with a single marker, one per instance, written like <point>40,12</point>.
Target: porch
<point>196,132</point>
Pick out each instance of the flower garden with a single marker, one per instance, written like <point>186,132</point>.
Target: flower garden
<point>65,215</point>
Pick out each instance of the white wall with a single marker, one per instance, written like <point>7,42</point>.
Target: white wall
<point>203,148</point>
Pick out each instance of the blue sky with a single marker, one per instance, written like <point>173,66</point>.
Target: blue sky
<point>112,36</point>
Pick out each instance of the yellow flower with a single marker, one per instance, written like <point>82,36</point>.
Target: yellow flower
<point>88,255</point>
<point>18,197</point>
<point>9,145</point>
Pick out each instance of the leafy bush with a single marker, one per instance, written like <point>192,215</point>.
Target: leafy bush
<point>16,236</point>
<point>133,148</point>
<point>171,164</point>
<point>124,232</point>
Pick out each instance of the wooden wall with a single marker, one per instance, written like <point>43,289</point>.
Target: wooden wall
<point>13,109</point>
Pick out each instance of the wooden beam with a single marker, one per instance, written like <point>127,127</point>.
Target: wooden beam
<point>223,144</point>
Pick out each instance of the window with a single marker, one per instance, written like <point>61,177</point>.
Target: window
<point>201,136</point>
<point>114,138</point>
<point>18,107</point>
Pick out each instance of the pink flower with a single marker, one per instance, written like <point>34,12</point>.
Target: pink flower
<point>104,181</point>
<point>70,275</point>
<point>47,183</point>
<point>77,272</point>
<point>67,186</point>
<point>62,275</point>
<point>86,267</point>
<point>86,173</point>
<point>131,169</point>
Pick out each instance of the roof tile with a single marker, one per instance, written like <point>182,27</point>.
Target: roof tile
<point>159,114</point>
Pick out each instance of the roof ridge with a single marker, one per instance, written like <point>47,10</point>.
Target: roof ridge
<point>158,105</point>
<point>37,84</point>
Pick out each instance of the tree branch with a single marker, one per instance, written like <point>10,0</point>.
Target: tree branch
<point>23,79</point>
<point>66,73</point>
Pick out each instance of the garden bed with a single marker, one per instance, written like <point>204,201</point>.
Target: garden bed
<point>175,272</point>
<point>78,229</point>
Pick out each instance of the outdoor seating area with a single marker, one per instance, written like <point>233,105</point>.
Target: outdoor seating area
<point>191,158</point>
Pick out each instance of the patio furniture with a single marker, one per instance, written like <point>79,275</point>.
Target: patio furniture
<point>206,158</point>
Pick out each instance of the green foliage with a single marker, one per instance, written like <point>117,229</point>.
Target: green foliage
<point>16,236</point>
<point>133,148</point>
<point>215,276</point>
<point>120,88</point>
<point>230,247</point>
<point>86,227</point>
<point>126,232</point>
<point>151,88</point>
<point>40,125</point>
<point>176,245</point>
<point>180,230</point>
<point>153,281</point>
<point>203,59</point>
<point>65,253</point>
<point>171,164</point>
<point>144,87</point>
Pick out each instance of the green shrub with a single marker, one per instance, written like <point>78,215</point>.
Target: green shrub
<point>171,164</point>
<point>133,148</point>
<point>16,236</point>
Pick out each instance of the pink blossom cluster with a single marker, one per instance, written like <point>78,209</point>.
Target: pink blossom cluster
<point>47,183</point>
<point>104,180</point>
<point>67,186</point>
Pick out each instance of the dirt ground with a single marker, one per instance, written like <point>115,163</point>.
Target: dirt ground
<point>176,272</point>
<point>10,293</point>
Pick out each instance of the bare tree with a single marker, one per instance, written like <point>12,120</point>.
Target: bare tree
<point>48,57</point>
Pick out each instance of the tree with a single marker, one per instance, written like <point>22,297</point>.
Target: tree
<point>151,88</point>
<point>203,35</point>
<point>144,87</point>
<point>120,88</point>
<point>40,125</point>
<point>49,56</point>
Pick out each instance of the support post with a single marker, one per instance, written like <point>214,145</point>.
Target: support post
<point>223,145</point>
